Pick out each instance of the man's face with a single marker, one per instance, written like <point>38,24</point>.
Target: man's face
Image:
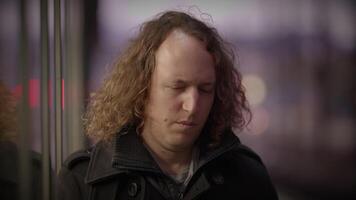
<point>181,93</point>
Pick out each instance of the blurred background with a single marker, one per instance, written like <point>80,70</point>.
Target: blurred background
<point>297,57</point>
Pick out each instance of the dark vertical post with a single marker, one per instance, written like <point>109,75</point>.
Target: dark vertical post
<point>46,162</point>
<point>24,156</point>
<point>58,83</point>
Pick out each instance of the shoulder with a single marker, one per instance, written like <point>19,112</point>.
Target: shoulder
<point>245,152</point>
<point>77,162</point>
<point>245,159</point>
<point>78,157</point>
<point>70,182</point>
<point>80,162</point>
<point>245,166</point>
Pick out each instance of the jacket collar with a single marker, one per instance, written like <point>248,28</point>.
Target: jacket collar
<point>127,153</point>
<point>100,167</point>
<point>131,154</point>
<point>229,141</point>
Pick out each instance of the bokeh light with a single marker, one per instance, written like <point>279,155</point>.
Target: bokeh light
<point>255,89</point>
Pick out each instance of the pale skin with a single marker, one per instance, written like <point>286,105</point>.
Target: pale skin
<point>180,98</point>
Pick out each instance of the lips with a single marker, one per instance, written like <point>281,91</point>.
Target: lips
<point>187,123</point>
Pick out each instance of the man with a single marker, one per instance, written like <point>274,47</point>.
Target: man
<point>163,120</point>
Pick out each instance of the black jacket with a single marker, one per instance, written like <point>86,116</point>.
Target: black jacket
<point>126,170</point>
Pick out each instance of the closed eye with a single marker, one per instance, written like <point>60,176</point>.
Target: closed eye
<point>207,88</point>
<point>176,88</point>
<point>177,85</point>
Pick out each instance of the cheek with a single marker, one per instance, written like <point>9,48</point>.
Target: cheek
<point>206,106</point>
<point>164,108</point>
<point>165,105</point>
<point>207,100</point>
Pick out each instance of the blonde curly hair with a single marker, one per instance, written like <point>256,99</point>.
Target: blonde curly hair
<point>122,97</point>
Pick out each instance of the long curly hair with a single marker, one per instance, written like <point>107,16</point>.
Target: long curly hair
<point>122,97</point>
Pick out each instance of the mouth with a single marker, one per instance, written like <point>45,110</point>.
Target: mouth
<point>187,123</point>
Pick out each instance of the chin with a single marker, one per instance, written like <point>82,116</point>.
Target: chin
<point>183,141</point>
<point>181,146</point>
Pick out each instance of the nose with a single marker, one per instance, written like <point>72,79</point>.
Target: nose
<point>191,101</point>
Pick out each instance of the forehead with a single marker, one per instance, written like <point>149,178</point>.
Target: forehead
<point>184,57</point>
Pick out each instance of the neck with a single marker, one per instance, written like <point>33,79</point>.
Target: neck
<point>171,161</point>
